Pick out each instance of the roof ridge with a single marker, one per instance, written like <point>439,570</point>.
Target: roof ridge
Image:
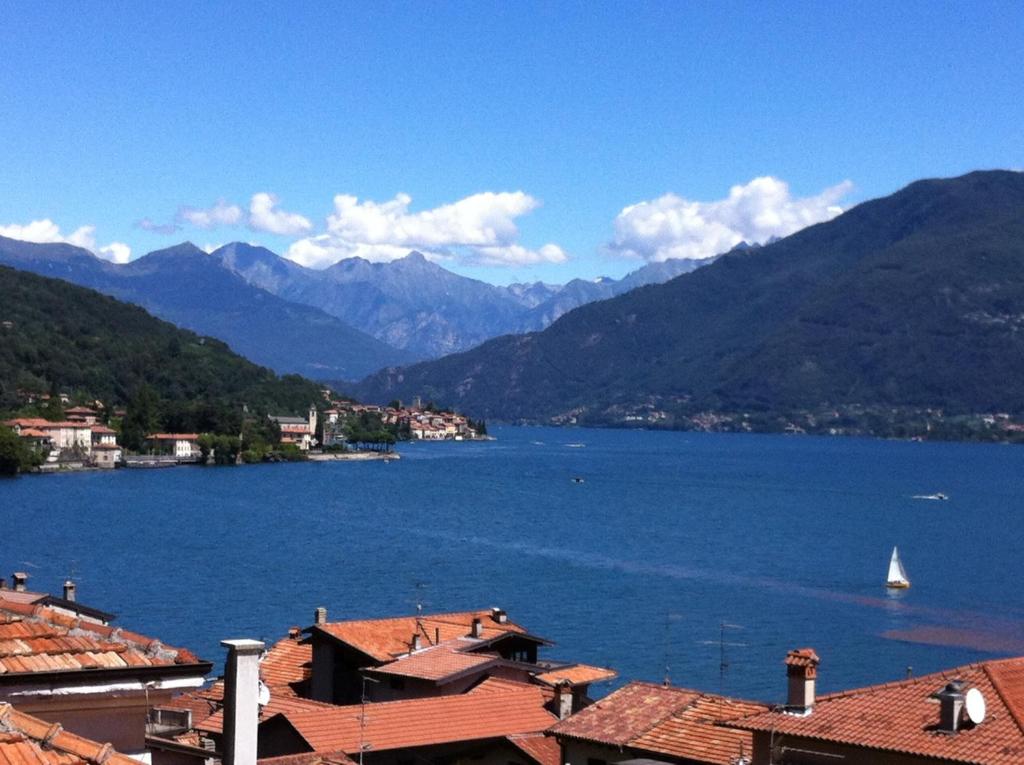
<point>942,674</point>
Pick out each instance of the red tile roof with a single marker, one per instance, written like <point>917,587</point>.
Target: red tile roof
<point>309,758</point>
<point>423,722</point>
<point>385,639</point>
<point>902,716</point>
<point>287,665</point>
<point>27,740</point>
<point>439,664</point>
<point>203,703</point>
<point>35,638</point>
<point>669,721</point>
<point>577,674</point>
<point>542,749</point>
<point>286,704</point>
<point>172,437</point>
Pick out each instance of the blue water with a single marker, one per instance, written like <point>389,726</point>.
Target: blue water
<point>670,535</point>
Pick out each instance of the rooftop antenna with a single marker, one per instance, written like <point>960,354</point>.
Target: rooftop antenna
<point>723,663</point>
<point>669,618</point>
<point>420,587</point>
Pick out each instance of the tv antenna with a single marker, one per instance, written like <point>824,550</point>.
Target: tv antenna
<point>669,618</point>
<point>723,662</point>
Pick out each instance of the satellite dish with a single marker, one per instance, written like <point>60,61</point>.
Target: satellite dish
<point>975,706</point>
<point>264,696</point>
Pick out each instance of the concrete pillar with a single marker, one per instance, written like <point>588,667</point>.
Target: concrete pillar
<point>241,700</point>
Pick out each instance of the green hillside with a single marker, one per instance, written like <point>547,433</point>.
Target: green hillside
<point>914,301</point>
<point>55,336</point>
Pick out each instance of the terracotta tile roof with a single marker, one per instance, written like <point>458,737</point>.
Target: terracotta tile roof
<point>309,758</point>
<point>438,664</point>
<point>102,429</point>
<point>504,684</point>
<point>27,740</point>
<point>36,638</point>
<point>423,722</point>
<point>286,704</point>
<point>577,674</point>
<point>542,749</point>
<point>172,437</point>
<point>385,639</point>
<point>287,665</point>
<point>668,721</point>
<point>203,703</point>
<point>32,433</point>
<point>27,422</point>
<point>902,716</point>
<point>802,657</point>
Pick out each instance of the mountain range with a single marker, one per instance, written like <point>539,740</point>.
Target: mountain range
<point>912,300</point>
<point>422,308</point>
<point>339,323</point>
<point>183,285</point>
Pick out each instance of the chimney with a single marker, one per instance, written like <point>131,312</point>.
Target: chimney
<point>801,673</point>
<point>320,616</point>
<point>69,590</point>
<point>478,628</point>
<point>951,706</point>
<point>295,633</point>
<point>19,578</point>
<point>499,615</point>
<point>563,700</point>
<point>415,644</point>
<point>241,701</point>
<point>3,583</point>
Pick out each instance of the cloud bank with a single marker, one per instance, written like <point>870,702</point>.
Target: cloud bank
<point>45,231</point>
<point>220,214</point>
<point>479,229</point>
<point>674,227</point>
<point>264,215</point>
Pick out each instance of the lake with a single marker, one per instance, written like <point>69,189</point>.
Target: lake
<point>785,540</point>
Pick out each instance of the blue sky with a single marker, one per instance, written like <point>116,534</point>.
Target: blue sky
<point>518,133</point>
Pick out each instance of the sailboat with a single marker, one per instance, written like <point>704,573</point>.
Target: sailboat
<point>897,579</point>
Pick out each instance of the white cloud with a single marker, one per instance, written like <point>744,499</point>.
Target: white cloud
<point>220,214</point>
<point>673,227</point>
<point>116,252</point>
<point>264,215</point>
<point>479,229</point>
<point>45,231</point>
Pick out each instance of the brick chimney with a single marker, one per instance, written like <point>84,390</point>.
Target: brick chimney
<point>241,701</point>
<point>951,706</point>
<point>19,578</point>
<point>69,590</point>
<point>320,616</point>
<point>477,630</point>
<point>563,700</point>
<point>801,674</point>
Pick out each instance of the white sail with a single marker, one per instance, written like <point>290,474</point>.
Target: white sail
<point>897,575</point>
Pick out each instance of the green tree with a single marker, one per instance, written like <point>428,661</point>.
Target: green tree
<point>16,456</point>
<point>141,419</point>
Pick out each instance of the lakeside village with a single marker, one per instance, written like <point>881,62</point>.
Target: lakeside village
<point>89,437</point>
<point>469,688</point>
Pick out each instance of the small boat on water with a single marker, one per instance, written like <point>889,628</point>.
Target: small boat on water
<point>897,579</point>
<point>936,496</point>
<point>577,479</point>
